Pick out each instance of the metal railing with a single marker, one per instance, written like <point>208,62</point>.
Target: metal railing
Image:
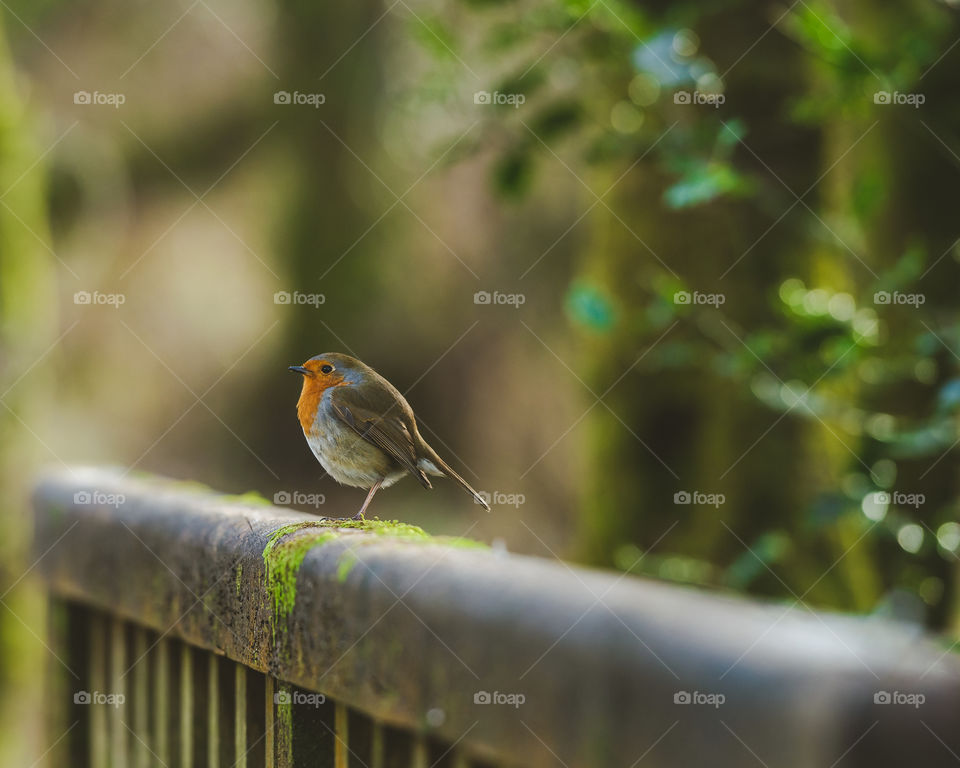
<point>192,629</point>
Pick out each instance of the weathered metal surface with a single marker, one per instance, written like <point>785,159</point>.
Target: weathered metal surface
<point>417,632</point>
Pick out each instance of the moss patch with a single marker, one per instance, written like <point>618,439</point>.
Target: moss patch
<point>347,560</point>
<point>405,532</point>
<point>282,558</point>
<point>283,555</point>
<point>284,721</point>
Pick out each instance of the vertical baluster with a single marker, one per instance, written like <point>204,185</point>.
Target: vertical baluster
<point>240,722</point>
<point>141,702</point>
<point>376,746</point>
<point>213,712</point>
<point>161,701</point>
<point>270,739</point>
<point>118,727</point>
<point>279,735</point>
<point>341,743</point>
<point>418,753</point>
<point>186,706</point>
<point>98,679</point>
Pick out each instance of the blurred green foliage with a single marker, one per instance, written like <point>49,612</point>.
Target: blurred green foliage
<point>820,392</point>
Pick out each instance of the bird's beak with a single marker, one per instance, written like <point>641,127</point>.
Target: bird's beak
<point>299,369</point>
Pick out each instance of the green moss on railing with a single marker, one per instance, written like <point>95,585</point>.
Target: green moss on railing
<point>347,560</point>
<point>282,559</point>
<point>284,554</point>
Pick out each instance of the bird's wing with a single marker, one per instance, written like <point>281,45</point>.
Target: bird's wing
<point>388,432</point>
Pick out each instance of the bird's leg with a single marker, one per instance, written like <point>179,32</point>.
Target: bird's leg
<point>366,503</point>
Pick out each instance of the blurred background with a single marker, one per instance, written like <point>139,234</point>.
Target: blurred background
<point>675,283</point>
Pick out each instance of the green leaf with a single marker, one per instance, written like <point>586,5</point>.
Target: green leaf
<point>512,173</point>
<point>705,182</point>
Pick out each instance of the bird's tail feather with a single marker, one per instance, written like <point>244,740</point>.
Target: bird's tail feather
<point>452,474</point>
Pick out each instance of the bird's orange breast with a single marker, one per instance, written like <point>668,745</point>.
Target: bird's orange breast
<point>309,401</point>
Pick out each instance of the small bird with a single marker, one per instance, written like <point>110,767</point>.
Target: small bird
<point>362,430</point>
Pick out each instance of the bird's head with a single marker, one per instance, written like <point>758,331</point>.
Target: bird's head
<point>321,372</point>
<point>331,369</point>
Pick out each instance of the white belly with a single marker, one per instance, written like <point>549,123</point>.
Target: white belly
<point>351,460</point>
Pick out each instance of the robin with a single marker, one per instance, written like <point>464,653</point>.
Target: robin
<point>362,430</point>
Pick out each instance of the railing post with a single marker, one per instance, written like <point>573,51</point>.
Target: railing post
<point>213,712</point>
<point>118,727</point>
<point>187,683</point>
<point>240,716</point>
<point>141,699</point>
<point>341,742</point>
<point>418,757</point>
<point>377,754</point>
<point>98,683</point>
<point>161,701</point>
<point>279,739</point>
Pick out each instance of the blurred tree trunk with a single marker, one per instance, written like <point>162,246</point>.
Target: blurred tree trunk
<point>28,326</point>
<point>326,190</point>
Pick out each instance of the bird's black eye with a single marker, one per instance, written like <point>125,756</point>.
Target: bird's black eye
<point>326,369</point>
